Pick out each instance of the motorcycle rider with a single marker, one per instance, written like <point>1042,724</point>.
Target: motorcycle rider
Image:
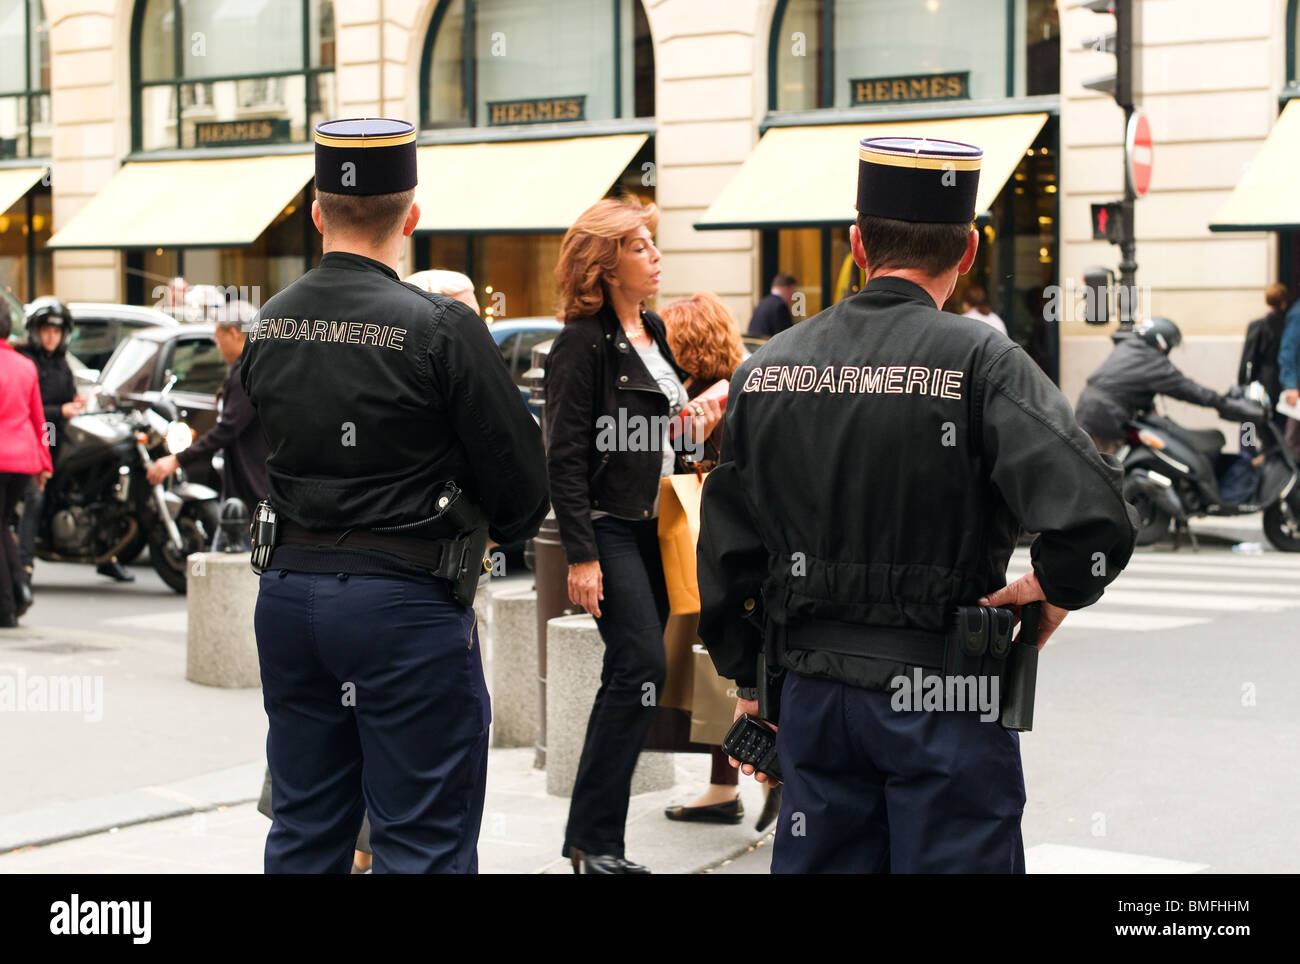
<point>1137,370</point>
<point>49,330</point>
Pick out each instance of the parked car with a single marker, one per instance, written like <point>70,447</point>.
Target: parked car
<point>516,337</point>
<point>98,328</point>
<point>150,359</point>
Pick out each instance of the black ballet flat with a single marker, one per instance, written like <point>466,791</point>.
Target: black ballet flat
<point>733,811</point>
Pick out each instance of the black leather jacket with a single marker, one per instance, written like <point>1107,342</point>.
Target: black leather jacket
<point>591,372</point>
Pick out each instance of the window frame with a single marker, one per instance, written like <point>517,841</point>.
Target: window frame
<point>28,93</point>
<point>827,72</point>
<point>178,80</point>
<point>469,63</point>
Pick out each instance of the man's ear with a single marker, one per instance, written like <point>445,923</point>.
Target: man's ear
<point>412,219</point>
<point>859,252</point>
<point>315,216</point>
<point>972,246</point>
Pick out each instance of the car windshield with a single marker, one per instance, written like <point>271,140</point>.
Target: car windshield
<point>131,367</point>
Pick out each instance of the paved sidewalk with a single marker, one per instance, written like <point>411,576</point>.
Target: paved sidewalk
<point>522,829</point>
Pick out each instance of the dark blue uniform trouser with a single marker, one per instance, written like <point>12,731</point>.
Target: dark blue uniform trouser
<point>872,790</point>
<point>374,690</point>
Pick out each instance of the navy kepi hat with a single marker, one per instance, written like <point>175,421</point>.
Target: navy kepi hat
<point>918,179</point>
<point>365,155</point>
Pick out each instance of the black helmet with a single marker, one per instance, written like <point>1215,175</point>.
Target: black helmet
<point>48,310</point>
<point>1160,333</point>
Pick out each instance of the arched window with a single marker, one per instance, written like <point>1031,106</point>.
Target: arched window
<point>858,53</point>
<point>1292,46</point>
<point>210,73</point>
<point>24,79</point>
<point>490,63</point>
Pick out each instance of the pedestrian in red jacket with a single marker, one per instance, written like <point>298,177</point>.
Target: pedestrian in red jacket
<point>24,452</point>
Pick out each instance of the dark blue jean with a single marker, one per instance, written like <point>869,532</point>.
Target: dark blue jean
<point>869,789</point>
<point>374,690</point>
<point>634,613</point>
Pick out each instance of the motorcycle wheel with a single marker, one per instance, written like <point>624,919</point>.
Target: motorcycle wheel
<point>1153,521</point>
<point>1281,534</point>
<point>197,525</point>
<point>133,548</point>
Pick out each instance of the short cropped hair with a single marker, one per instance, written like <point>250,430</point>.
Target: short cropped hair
<point>371,217</point>
<point>1275,296</point>
<point>929,248</point>
<point>784,280</point>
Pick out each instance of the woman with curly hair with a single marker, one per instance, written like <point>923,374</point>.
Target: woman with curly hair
<point>610,366</point>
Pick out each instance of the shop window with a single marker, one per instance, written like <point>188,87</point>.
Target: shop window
<point>201,71</point>
<point>24,79</point>
<point>869,53</point>
<point>490,63</point>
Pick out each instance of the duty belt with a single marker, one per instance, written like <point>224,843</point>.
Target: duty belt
<point>426,553</point>
<point>897,644</point>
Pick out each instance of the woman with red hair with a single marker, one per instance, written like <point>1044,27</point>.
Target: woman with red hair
<point>611,386</point>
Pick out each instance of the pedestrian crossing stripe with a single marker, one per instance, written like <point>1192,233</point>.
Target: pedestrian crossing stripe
<point>1063,859</point>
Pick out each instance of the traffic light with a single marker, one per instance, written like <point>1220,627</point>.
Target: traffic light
<point>1108,222</point>
<point>1118,42</point>
<point>1096,296</point>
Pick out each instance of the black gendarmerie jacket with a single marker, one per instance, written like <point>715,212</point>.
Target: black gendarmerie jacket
<point>879,463</point>
<point>593,371</point>
<point>371,393</point>
<point>1128,381</point>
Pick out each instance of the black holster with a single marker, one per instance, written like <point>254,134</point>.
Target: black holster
<point>980,644</point>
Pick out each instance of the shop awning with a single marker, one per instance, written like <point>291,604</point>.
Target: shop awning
<point>15,182</point>
<point>221,203</point>
<point>1266,198</point>
<point>517,186</point>
<point>807,176</point>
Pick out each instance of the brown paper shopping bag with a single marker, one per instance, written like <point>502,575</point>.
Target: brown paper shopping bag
<point>679,529</point>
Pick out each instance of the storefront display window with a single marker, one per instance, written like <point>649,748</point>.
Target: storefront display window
<point>493,63</point>
<point>886,52</point>
<point>24,79</point>
<point>201,77</point>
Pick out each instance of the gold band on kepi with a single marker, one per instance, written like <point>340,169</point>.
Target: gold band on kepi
<point>365,155</point>
<point>918,179</point>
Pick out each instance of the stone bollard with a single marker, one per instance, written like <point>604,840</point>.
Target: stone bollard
<point>515,710</point>
<point>574,653</point>
<point>220,646</point>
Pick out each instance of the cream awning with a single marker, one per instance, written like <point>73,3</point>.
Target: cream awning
<point>517,186</point>
<point>15,182</point>
<point>219,203</point>
<point>1266,198</point>
<point>807,176</point>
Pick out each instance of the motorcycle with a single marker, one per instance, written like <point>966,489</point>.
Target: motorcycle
<point>1172,473</point>
<point>99,505</point>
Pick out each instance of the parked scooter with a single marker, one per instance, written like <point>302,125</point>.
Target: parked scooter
<point>98,502</point>
<point>1172,473</point>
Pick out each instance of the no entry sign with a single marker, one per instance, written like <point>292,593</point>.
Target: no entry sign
<point>1137,144</point>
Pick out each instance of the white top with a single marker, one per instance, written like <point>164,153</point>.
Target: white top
<point>991,319</point>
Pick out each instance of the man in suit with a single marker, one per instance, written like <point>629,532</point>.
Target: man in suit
<point>772,316</point>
